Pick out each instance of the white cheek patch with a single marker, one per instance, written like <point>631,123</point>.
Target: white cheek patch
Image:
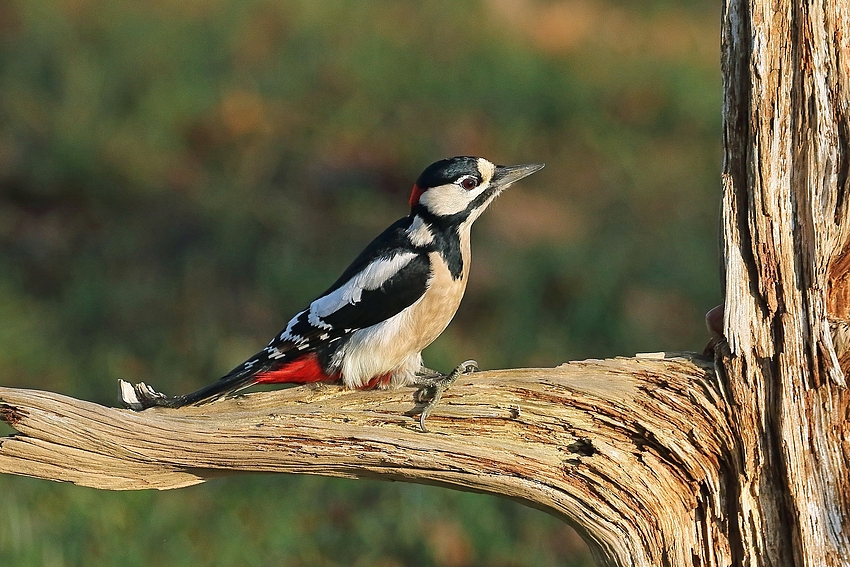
<point>449,199</point>
<point>374,276</point>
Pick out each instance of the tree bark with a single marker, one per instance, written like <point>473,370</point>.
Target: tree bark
<point>681,460</point>
<point>785,233</point>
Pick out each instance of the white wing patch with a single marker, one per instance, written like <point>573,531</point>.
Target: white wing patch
<point>288,334</point>
<point>313,318</point>
<point>372,277</point>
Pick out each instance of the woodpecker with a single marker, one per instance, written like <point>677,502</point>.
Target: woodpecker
<point>369,328</point>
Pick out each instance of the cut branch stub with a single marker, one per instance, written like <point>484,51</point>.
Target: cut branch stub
<point>628,449</point>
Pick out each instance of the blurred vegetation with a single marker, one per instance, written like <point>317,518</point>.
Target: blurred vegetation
<point>178,177</point>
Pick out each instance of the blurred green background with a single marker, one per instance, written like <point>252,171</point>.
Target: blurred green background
<point>179,177</point>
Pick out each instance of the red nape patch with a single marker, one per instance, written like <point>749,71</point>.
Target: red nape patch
<point>415,194</point>
<point>300,371</point>
<point>379,380</point>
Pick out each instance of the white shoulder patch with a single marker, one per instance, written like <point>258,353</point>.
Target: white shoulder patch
<point>372,277</point>
<point>419,232</point>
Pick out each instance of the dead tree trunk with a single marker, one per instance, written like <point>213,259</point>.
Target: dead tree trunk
<point>664,460</point>
<point>785,233</point>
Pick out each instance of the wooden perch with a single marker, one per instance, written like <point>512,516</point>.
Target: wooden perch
<point>617,446</point>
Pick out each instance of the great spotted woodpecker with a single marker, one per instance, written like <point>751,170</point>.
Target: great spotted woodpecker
<point>369,328</point>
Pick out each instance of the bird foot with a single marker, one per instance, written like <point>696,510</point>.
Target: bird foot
<point>432,384</point>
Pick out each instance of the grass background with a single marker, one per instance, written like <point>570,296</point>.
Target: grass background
<point>179,177</point>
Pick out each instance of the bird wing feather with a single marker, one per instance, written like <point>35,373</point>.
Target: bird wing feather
<point>389,276</point>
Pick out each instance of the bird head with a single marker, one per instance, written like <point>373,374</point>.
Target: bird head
<point>458,189</point>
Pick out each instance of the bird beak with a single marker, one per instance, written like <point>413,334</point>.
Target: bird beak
<point>507,175</point>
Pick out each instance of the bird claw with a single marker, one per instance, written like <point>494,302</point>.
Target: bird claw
<point>432,386</point>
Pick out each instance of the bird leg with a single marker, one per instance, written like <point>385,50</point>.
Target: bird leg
<point>432,384</point>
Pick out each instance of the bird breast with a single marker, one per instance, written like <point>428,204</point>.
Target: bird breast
<point>395,345</point>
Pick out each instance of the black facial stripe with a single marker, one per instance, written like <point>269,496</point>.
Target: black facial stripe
<point>457,218</point>
<point>447,243</point>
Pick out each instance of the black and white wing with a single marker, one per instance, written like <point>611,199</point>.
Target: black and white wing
<point>386,278</point>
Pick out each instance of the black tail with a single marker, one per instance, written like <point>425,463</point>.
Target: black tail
<point>141,396</point>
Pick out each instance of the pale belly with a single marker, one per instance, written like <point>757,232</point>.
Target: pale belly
<point>394,346</point>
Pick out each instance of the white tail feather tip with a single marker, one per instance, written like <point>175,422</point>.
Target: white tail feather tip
<point>128,395</point>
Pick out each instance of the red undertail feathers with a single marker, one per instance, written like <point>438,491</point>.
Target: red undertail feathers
<point>303,370</point>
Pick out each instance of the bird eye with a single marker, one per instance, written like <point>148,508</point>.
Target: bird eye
<point>469,183</point>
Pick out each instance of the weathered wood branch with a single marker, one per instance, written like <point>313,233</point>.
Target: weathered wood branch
<point>629,449</point>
